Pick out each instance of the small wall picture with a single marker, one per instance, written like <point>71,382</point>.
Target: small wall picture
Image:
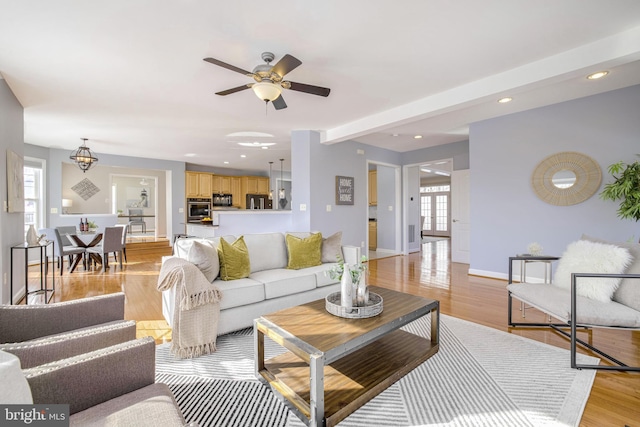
<point>344,190</point>
<point>15,182</point>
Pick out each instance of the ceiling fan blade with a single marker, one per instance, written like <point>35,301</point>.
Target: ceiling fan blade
<point>233,90</point>
<point>287,64</point>
<point>228,66</point>
<point>314,90</point>
<point>279,103</point>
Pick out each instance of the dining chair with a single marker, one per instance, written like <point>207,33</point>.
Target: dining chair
<point>63,231</point>
<point>111,243</point>
<point>133,220</point>
<point>60,250</point>
<point>124,227</point>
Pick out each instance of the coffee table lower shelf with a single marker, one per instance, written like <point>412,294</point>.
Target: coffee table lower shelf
<point>352,380</point>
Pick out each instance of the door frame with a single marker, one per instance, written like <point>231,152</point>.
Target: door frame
<point>405,201</point>
<point>397,206</point>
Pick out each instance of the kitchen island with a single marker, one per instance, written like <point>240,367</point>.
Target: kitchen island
<point>237,222</point>
<point>201,229</point>
<point>248,221</point>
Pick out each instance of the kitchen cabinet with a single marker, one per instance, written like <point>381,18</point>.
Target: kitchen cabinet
<point>373,188</point>
<point>255,185</point>
<point>198,184</point>
<point>373,235</point>
<point>236,190</point>
<point>263,185</point>
<point>221,184</point>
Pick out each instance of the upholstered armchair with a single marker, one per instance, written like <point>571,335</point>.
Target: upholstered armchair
<point>39,334</point>
<point>82,353</point>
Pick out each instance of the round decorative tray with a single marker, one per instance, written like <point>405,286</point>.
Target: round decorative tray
<point>373,307</point>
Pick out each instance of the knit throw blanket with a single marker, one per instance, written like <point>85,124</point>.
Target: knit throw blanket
<point>195,317</point>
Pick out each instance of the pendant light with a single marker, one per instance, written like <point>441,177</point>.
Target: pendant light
<point>83,156</point>
<point>270,190</point>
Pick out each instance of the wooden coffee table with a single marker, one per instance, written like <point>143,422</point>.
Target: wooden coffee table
<point>335,365</point>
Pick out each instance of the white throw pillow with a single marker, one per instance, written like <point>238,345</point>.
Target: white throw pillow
<point>205,256</point>
<point>590,257</point>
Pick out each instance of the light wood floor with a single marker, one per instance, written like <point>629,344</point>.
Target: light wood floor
<point>615,397</point>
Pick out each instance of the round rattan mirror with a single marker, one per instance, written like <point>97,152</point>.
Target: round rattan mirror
<point>550,189</point>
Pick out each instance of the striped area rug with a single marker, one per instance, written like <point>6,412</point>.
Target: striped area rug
<point>480,377</point>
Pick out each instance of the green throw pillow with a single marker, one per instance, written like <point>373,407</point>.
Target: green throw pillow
<point>234,259</point>
<point>305,252</point>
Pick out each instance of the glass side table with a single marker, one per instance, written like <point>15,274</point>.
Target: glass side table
<point>527,259</point>
<point>44,269</point>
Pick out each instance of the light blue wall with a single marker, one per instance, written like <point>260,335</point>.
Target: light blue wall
<point>11,224</point>
<point>506,215</point>
<point>174,172</point>
<point>315,167</point>
<point>386,218</point>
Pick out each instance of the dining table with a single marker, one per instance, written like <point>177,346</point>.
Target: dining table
<point>84,239</point>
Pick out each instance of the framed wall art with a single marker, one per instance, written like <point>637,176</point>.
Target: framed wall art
<point>15,182</point>
<point>344,190</point>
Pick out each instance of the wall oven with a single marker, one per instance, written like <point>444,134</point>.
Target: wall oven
<point>198,209</point>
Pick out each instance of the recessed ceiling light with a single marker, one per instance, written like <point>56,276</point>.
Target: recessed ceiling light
<point>505,100</point>
<point>598,75</point>
<point>225,162</point>
<point>251,134</point>
<point>395,134</point>
<point>256,144</point>
<point>190,155</point>
<point>265,148</point>
<point>417,137</point>
<point>243,155</point>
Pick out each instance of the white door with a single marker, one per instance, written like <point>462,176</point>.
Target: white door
<point>434,212</point>
<point>460,216</point>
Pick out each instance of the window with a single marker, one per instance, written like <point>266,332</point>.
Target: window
<point>34,203</point>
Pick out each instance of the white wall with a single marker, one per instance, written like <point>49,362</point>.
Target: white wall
<point>506,215</point>
<point>11,224</point>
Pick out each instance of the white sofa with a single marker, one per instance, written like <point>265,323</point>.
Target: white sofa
<point>270,285</point>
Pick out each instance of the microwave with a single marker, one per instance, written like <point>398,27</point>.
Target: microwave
<point>198,209</point>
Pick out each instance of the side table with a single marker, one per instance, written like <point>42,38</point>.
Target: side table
<point>44,269</point>
<point>527,259</point>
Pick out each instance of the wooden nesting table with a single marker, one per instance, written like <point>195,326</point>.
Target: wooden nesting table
<point>335,365</point>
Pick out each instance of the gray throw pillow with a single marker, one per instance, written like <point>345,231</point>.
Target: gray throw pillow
<point>205,257</point>
<point>332,247</point>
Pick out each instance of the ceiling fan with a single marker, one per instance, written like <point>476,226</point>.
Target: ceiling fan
<point>269,79</point>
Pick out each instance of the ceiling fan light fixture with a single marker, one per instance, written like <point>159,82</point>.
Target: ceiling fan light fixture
<point>267,91</point>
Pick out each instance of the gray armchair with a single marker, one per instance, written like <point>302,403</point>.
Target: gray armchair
<point>84,354</point>
<point>40,334</point>
<point>111,386</point>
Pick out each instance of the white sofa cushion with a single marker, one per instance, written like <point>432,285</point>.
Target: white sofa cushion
<point>585,256</point>
<point>628,292</point>
<point>322,274</point>
<point>182,246</point>
<point>266,251</point>
<point>557,302</point>
<point>204,255</point>
<point>280,282</point>
<point>240,292</point>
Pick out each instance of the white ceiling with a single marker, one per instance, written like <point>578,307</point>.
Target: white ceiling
<point>129,75</point>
